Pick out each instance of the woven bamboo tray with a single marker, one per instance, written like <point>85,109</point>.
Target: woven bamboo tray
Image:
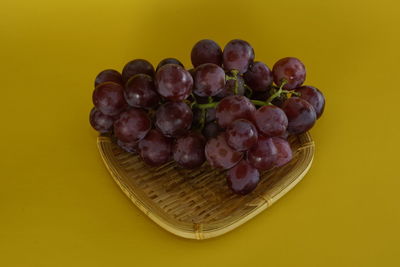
<point>197,203</point>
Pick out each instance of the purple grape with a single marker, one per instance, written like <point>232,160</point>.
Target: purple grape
<point>108,98</point>
<point>229,88</point>
<point>263,155</point>
<point>109,75</point>
<point>211,114</point>
<point>301,115</point>
<point>284,154</point>
<point>132,148</point>
<point>232,108</point>
<point>211,130</point>
<point>174,119</point>
<point>209,80</point>
<point>206,51</point>
<point>140,92</point>
<point>100,122</point>
<point>220,155</point>
<point>290,69</point>
<point>271,120</point>
<point>258,77</point>
<point>137,66</point>
<point>169,60</point>
<point>238,55</point>
<point>313,96</point>
<point>188,151</point>
<point>155,149</point>
<point>174,82</point>
<point>243,178</point>
<point>132,125</point>
<point>241,135</point>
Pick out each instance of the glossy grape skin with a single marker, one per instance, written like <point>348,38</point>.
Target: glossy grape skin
<point>271,120</point>
<point>155,149</point>
<point>132,148</point>
<point>232,108</point>
<point>137,66</point>
<point>211,130</point>
<point>313,96</point>
<point>108,98</point>
<point>188,151</point>
<point>290,69</point>
<point>100,122</point>
<point>174,82</point>
<point>169,60</point>
<point>301,115</point>
<point>229,88</point>
<point>206,51</point>
<point>209,80</point>
<point>284,151</point>
<point>263,155</point>
<point>238,55</point>
<point>174,119</point>
<point>258,77</point>
<point>243,178</point>
<point>220,155</point>
<point>241,135</point>
<point>109,75</point>
<point>140,92</point>
<point>132,125</point>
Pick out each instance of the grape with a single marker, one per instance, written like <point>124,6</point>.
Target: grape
<point>100,122</point>
<point>313,96</point>
<point>132,125</point>
<point>137,66</point>
<point>301,115</point>
<point>229,88</point>
<point>155,149</point>
<point>108,98</point>
<point>132,148</point>
<point>211,130</point>
<point>108,76</point>
<point>243,178</point>
<point>258,77</point>
<point>210,114</point>
<point>220,155</point>
<point>140,92</point>
<point>169,60</point>
<point>234,107</point>
<point>271,120</point>
<point>209,80</point>
<point>206,51</point>
<point>174,119</point>
<point>188,151</point>
<point>290,69</point>
<point>174,82</point>
<point>238,55</point>
<point>263,155</point>
<point>284,154</point>
<point>241,135</point>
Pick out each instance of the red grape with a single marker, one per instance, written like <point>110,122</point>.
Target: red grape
<point>155,149</point>
<point>238,55</point>
<point>174,82</point>
<point>220,155</point>
<point>188,151</point>
<point>232,108</point>
<point>263,155</point>
<point>243,178</point>
<point>109,75</point>
<point>211,130</point>
<point>241,135</point>
<point>229,88</point>
<point>209,80</point>
<point>169,60</point>
<point>258,77</point>
<point>271,120</point>
<point>313,96</point>
<point>140,92</point>
<point>301,115</point>
<point>206,51</point>
<point>100,122</point>
<point>290,69</point>
<point>137,66</point>
<point>132,125</point>
<point>132,148</point>
<point>284,154</point>
<point>108,98</point>
<point>174,119</point>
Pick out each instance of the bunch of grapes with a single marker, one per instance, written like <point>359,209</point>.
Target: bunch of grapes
<point>228,110</point>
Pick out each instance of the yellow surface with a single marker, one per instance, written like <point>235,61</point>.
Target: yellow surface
<point>60,207</point>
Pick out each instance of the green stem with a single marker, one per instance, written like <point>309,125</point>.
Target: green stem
<point>206,106</point>
<point>260,103</point>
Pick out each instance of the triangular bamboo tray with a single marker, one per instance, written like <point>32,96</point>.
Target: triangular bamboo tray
<point>197,203</point>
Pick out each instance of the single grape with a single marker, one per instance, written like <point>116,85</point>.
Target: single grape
<point>243,178</point>
<point>241,135</point>
<point>284,154</point>
<point>100,122</point>
<point>271,120</point>
<point>258,77</point>
<point>220,155</point>
<point>132,125</point>
<point>209,80</point>
<point>109,75</point>
<point>169,60</point>
<point>263,155</point>
<point>140,92</point>
<point>229,88</point>
<point>313,96</point>
<point>188,151</point>
<point>132,148</point>
<point>108,98</point>
<point>301,115</point>
<point>232,108</point>
<point>211,130</point>
<point>210,115</point>
<point>155,149</point>
<point>206,51</point>
<point>137,66</point>
<point>238,55</point>
<point>290,69</point>
<point>174,82</point>
<point>174,119</point>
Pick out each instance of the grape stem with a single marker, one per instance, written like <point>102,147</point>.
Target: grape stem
<point>206,106</point>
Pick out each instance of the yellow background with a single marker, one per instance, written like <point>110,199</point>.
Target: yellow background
<point>60,207</point>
